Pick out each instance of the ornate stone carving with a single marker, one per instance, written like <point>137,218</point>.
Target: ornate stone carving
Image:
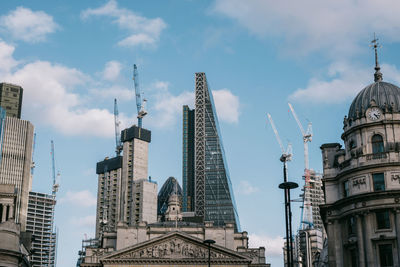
<point>358,181</point>
<point>173,249</point>
<point>395,176</point>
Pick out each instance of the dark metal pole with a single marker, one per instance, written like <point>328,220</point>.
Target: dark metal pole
<point>288,213</point>
<point>288,246</point>
<point>209,242</point>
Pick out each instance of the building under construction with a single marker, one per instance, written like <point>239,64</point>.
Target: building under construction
<point>40,223</point>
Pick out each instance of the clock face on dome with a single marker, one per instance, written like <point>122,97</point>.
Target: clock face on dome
<point>374,114</point>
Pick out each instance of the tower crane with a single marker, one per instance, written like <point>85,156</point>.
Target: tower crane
<point>306,220</point>
<point>141,111</point>
<point>118,145</point>
<point>55,184</point>
<point>286,154</point>
<point>307,136</point>
<point>53,193</point>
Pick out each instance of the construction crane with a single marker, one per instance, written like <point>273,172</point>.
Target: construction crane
<point>306,220</point>
<point>53,193</point>
<point>141,111</point>
<point>118,145</point>
<point>286,154</point>
<point>307,136</point>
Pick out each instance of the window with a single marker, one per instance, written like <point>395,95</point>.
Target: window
<point>351,224</point>
<point>383,219</point>
<point>352,144</point>
<point>377,144</point>
<point>386,255</point>
<point>346,188</point>
<point>379,181</point>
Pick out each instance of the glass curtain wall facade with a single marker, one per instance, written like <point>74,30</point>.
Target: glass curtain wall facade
<point>213,195</point>
<point>188,159</point>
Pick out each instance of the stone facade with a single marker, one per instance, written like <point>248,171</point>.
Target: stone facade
<point>14,244</point>
<point>362,185</point>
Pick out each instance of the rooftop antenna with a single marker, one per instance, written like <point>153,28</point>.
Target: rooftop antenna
<point>377,75</point>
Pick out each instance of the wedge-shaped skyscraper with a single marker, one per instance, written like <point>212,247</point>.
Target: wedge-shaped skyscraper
<point>207,188</point>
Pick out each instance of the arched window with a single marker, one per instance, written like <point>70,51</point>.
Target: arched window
<point>377,144</point>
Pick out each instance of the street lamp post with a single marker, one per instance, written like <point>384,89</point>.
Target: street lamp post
<point>208,242</point>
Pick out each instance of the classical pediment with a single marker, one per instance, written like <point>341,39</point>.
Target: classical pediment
<point>174,248</point>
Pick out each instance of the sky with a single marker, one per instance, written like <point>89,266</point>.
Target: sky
<point>74,57</point>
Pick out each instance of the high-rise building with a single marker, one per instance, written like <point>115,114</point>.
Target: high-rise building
<point>188,159</point>
<point>11,99</point>
<point>16,162</point>
<point>125,193</point>
<point>209,190</point>
<point>41,224</point>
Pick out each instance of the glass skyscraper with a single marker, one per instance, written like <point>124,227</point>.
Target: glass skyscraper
<point>207,188</point>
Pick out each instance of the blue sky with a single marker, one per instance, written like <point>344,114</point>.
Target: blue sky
<point>73,58</point>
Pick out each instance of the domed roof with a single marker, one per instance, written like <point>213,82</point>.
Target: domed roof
<point>385,95</point>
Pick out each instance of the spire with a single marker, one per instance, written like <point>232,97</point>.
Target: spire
<point>378,74</point>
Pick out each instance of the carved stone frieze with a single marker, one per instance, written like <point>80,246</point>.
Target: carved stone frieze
<point>358,181</point>
<point>395,176</point>
<point>173,249</point>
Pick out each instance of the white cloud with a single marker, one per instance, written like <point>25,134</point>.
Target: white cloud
<point>142,31</point>
<point>87,221</point>
<point>167,107</point>
<point>245,188</point>
<point>227,105</point>
<point>115,91</point>
<point>112,70</point>
<point>83,198</point>
<point>50,96</point>
<point>273,245</point>
<point>27,25</point>
<point>344,80</point>
<point>7,62</point>
<point>336,27</point>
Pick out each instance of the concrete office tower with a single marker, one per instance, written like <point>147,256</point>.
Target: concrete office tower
<point>109,173</point>
<point>212,195</point>
<point>40,223</point>
<point>139,194</point>
<point>124,192</point>
<point>16,161</point>
<point>11,99</point>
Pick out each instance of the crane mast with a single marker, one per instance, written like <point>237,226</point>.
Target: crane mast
<point>118,145</point>
<point>307,136</point>
<point>140,106</point>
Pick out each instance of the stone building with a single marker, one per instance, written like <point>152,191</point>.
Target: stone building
<point>175,241</point>
<point>15,244</point>
<point>362,181</point>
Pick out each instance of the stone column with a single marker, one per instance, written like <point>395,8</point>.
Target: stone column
<point>4,213</point>
<point>360,241</point>
<point>338,243</point>
<point>397,227</point>
<point>11,213</point>
<point>368,224</point>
